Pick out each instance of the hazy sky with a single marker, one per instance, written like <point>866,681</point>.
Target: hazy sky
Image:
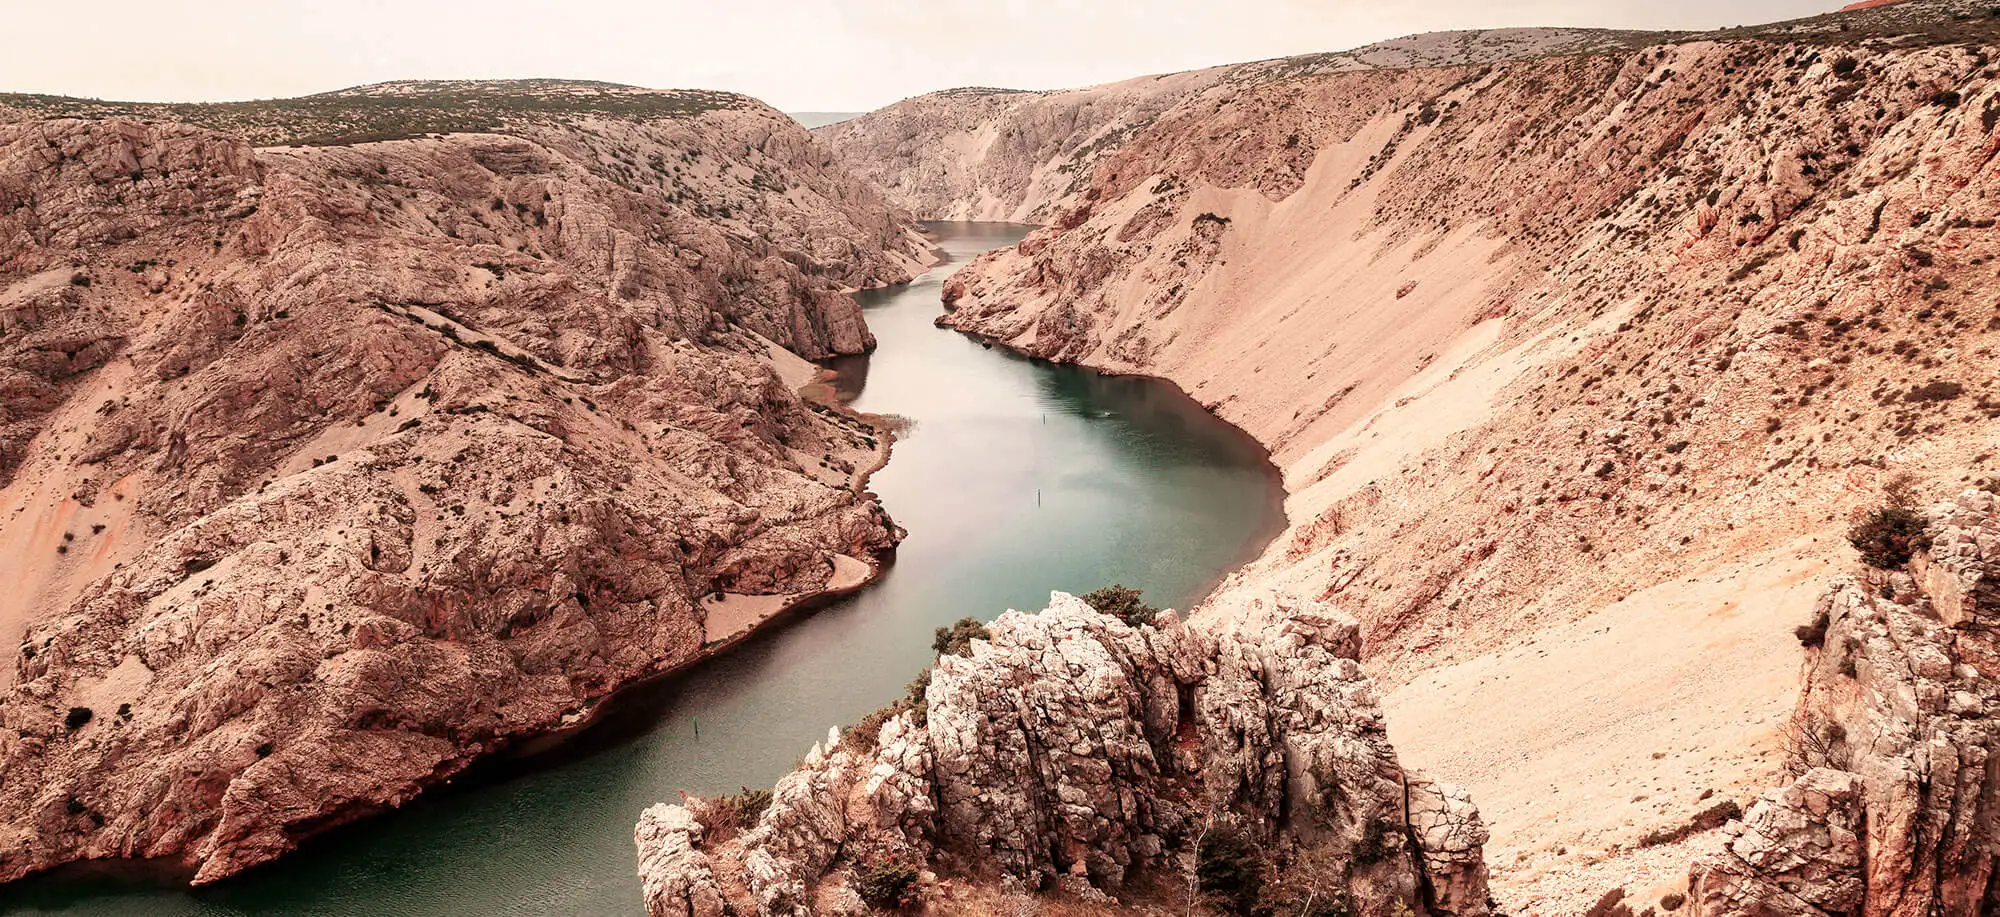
<point>828,55</point>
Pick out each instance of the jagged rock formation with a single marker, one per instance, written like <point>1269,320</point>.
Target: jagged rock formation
<point>1897,810</point>
<point>1071,750</point>
<point>329,469</point>
<point>1009,155</point>
<point>1547,350</point>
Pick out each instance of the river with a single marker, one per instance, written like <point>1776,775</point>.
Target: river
<point>1014,477</point>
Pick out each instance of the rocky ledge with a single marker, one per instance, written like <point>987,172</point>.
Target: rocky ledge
<point>1071,753</point>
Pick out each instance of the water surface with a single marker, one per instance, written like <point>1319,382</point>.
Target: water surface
<point>1014,478</point>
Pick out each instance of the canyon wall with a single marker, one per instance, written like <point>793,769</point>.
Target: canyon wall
<point>1013,156</point>
<point>1069,751</point>
<point>1577,367</point>
<point>335,463</point>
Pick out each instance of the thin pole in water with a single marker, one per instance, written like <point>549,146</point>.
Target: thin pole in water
<point>697,726</point>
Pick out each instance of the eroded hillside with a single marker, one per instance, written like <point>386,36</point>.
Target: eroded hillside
<point>1577,367</point>
<point>330,468</point>
<point>998,154</point>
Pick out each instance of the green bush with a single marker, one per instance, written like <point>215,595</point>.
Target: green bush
<point>1123,603</point>
<point>887,883</point>
<point>863,735</point>
<point>1814,634</point>
<point>956,640</point>
<point>914,699</point>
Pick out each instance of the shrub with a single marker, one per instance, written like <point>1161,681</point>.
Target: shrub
<point>739,810</point>
<point>77,718</point>
<point>887,883</point>
<point>862,735</point>
<point>914,699</point>
<point>1122,603</point>
<point>1812,635</point>
<point>1888,535</point>
<point>956,640</point>
<point>1935,391</point>
<point>1229,869</point>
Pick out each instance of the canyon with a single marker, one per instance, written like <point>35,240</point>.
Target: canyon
<point>337,461</point>
<point>1578,366</point>
<point>353,440</point>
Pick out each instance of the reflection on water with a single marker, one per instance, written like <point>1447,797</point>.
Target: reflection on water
<point>1015,478</point>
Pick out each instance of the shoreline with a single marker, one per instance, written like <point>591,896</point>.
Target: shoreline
<point>1256,547</point>
<point>630,707</point>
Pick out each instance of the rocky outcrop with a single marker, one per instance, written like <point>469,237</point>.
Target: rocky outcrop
<point>1895,813</point>
<point>1071,750</point>
<point>1797,852</point>
<point>675,872</point>
<point>335,467</point>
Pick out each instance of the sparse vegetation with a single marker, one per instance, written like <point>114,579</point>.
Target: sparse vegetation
<point>725,815</point>
<point>1890,534</point>
<point>956,640</point>
<point>401,111</point>
<point>78,718</point>
<point>1812,636</point>
<point>1230,869</point>
<point>1123,603</point>
<point>888,883</point>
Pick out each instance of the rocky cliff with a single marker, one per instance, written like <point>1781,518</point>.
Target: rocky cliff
<point>1070,752</point>
<point>1895,809</point>
<point>331,466</point>
<point>1576,367</point>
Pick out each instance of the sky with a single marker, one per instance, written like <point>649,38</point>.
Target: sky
<point>798,55</point>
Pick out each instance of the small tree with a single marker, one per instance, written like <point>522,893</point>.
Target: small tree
<point>915,699</point>
<point>1123,603</point>
<point>1888,535</point>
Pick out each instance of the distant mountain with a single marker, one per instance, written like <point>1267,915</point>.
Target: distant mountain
<point>812,119</point>
<point>398,110</point>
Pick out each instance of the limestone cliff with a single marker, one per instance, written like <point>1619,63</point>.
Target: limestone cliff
<point>332,466</point>
<point>1071,752</point>
<point>1576,367</point>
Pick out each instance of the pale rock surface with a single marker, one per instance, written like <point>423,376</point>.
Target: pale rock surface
<point>979,153</point>
<point>1895,814</point>
<point>1070,750</point>
<point>678,882</point>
